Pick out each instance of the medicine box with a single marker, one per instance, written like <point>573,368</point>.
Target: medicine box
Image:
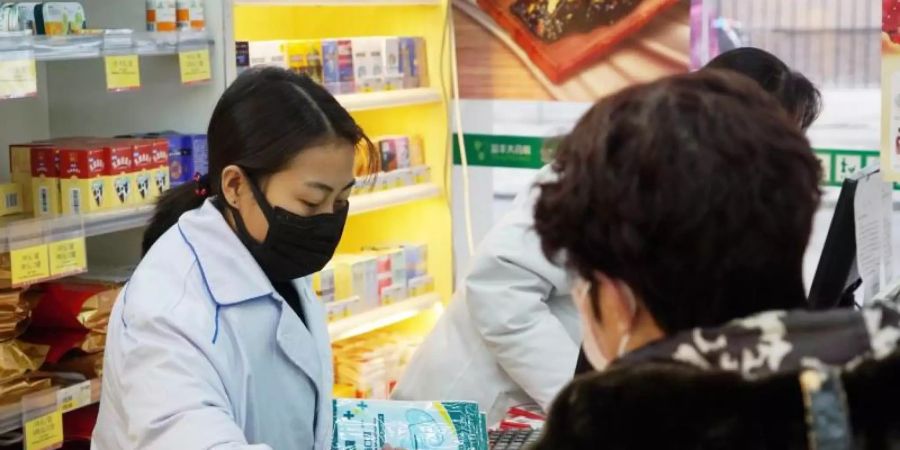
<point>160,167</point>
<point>413,62</point>
<point>188,155</point>
<point>118,178</point>
<point>143,169</point>
<point>267,53</point>
<point>20,172</point>
<point>305,57</point>
<point>368,64</point>
<point>337,66</point>
<point>162,15</point>
<point>356,275</point>
<point>81,179</point>
<point>323,284</point>
<point>12,199</point>
<point>396,263</point>
<point>421,285</point>
<point>393,78</point>
<point>45,181</point>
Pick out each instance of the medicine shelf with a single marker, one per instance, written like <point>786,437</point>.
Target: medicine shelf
<point>339,2</point>
<point>389,99</point>
<point>114,42</point>
<point>77,396</point>
<point>364,203</point>
<point>381,317</point>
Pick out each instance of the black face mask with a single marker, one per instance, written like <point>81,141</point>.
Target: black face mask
<point>295,246</point>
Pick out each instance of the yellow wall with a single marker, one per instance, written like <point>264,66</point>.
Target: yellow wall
<point>424,221</point>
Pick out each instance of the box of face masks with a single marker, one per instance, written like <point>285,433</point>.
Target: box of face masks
<point>374,424</point>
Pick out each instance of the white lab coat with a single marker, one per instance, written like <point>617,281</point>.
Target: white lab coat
<point>202,353</point>
<point>511,335</point>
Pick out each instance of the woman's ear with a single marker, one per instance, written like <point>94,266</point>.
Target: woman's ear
<point>232,183</point>
<point>617,303</point>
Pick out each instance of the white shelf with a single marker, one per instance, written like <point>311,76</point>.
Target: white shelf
<point>364,203</point>
<point>75,47</point>
<point>339,2</point>
<point>389,99</point>
<point>380,317</point>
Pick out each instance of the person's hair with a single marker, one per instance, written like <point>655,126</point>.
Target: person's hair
<point>672,405</point>
<point>692,191</point>
<point>792,89</point>
<point>262,121</point>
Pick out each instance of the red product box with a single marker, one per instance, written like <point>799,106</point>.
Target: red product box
<point>119,179</point>
<point>142,166</point>
<point>81,179</point>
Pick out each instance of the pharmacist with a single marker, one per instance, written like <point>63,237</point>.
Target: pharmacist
<point>511,336</point>
<point>217,341</point>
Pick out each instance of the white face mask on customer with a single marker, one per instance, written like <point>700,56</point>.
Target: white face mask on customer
<point>582,294</point>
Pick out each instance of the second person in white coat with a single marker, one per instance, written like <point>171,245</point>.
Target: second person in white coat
<point>217,341</point>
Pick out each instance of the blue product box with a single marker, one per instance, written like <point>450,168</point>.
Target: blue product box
<point>188,155</point>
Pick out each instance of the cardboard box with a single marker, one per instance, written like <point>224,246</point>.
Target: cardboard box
<point>413,62</point>
<point>337,66</point>
<point>393,77</point>
<point>12,199</point>
<point>45,181</point>
<point>305,57</point>
<point>142,166</point>
<point>356,275</point>
<point>188,155</point>
<point>368,64</point>
<point>160,167</point>
<point>20,172</point>
<point>267,53</point>
<point>81,179</point>
<point>118,178</point>
<point>323,284</point>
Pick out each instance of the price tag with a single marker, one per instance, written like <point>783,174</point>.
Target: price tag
<point>18,78</point>
<point>123,73</point>
<point>68,256</point>
<point>76,396</point>
<point>194,66</point>
<point>44,432</point>
<point>29,264</point>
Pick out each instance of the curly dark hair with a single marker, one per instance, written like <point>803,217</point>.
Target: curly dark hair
<point>697,190</point>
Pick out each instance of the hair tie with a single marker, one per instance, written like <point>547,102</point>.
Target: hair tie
<point>202,188</point>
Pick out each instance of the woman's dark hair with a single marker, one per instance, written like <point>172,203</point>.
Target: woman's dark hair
<point>264,119</point>
<point>671,405</point>
<point>690,190</point>
<point>793,90</point>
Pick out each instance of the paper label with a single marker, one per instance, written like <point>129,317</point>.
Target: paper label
<point>29,264</point>
<point>18,78</point>
<point>194,66</point>
<point>68,256</point>
<point>74,397</point>
<point>123,73</point>
<point>44,432</point>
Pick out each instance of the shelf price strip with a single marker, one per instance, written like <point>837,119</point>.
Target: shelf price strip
<point>123,73</point>
<point>194,66</point>
<point>18,78</point>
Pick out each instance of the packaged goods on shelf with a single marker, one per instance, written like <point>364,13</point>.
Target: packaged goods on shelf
<point>12,201</point>
<point>356,276</point>
<point>421,285</point>
<point>19,364</point>
<point>305,57</point>
<point>337,66</point>
<point>433,425</point>
<point>392,282</point>
<point>72,315</point>
<point>119,176</point>
<point>341,309</point>
<point>142,151</point>
<point>368,64</point>
<point>81,178</point>
<point>323,284</point>
<point>422,174</point>
<point>371,365</point>
<point>43,18</point>
<point>161,175</point>
<point>414,260</point>
<point>190,15</point>
<point>45,181</point>
<point>344,66</point>
<point>162,15</point>
<point>15,312</point>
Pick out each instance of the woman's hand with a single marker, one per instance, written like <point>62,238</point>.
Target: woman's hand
<point>388,447</point>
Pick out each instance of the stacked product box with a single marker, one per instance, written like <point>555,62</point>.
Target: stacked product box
<point>370,366</point>
<point>402,162</point>
<point>85,174</point>
<point>344,65</point>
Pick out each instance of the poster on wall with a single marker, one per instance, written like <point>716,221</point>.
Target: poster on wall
<point>567,50</point>
<point>890,89</point>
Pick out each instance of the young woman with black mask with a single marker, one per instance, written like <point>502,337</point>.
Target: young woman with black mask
<point>217,341</point>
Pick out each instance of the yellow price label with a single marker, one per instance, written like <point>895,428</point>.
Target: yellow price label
<point>44,432</point>
<point>29,264</point>
<point>194,66</point>
<point>18,78</point>
<point>68,256</point>
<point>123,73</point>
<point>76,396</point>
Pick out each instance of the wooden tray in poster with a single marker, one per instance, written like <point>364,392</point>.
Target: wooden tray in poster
<point>566,57</point>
